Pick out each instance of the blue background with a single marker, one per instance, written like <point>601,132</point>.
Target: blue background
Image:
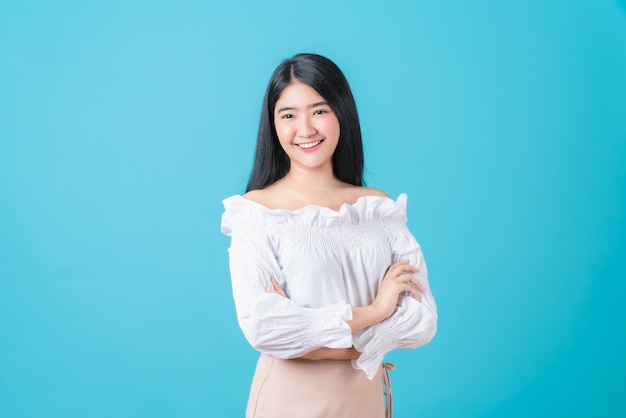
<point>124,124</point>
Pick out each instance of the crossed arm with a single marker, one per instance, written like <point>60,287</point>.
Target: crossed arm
<point>398,279</point>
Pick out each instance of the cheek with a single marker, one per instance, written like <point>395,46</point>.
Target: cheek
<point>283,132</point>
<point>333,128</point>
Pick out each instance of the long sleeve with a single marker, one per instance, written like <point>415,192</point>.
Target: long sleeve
<point>413,324</point>
<point>272,324</point>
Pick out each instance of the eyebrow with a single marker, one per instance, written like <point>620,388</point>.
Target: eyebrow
<point>286,108</point>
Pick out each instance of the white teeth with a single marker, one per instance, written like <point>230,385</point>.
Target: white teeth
<point>309,145</point>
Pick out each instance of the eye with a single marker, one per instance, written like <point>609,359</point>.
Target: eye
<point>287,116</point>
<point>320,112</point>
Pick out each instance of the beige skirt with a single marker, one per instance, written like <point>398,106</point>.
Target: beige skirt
<point>313,389</point>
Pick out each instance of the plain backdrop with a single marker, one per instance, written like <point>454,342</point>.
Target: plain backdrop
<point>123,124</point>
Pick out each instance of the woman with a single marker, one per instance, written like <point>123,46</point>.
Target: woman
<point>326,276</point>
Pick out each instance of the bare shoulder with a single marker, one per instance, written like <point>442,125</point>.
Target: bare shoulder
<point>359,191</point>
<point>270,197</point>
<point>260,196</point>
<point>254,195</point>
<point>370,191</point>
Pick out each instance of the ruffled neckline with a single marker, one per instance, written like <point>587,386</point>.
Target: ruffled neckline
<point>365,208</point>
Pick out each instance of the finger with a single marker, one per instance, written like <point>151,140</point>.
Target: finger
<point>398,269</point>
<point>400,264</point>
<point>277,287</point>
<point>410,279</point>
<point>413,291</point>
<point>405,276</point>
<point>410,270</point>
<point>396,265</point>
<point>272,287</point>
<point>417,284</point>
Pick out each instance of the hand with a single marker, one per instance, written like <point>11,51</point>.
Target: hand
<point>398,279</point>
<point>275,288</point>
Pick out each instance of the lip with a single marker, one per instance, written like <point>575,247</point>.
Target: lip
<point>311,149</point>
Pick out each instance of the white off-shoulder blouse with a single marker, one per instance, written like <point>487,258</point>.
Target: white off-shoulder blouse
<point>327,262</point>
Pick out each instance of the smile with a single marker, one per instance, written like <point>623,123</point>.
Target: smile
<point>309,144</point>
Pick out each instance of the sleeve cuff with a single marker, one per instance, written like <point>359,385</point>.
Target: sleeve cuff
<point>413,325</point>
<point>373,348</point>
<point>328,325</point>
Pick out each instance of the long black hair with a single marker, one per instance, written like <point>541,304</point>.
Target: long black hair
<point>270,161</point>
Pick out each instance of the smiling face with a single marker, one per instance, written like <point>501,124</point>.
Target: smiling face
<point>307,128</point>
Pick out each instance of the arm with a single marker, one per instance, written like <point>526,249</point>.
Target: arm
<point>272,324</point>
<point>413,324</point>
<point>398,280</point>
<point>383,307</point>
<point>322,353</point>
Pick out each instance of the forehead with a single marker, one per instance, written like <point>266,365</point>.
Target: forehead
<point>298,94</point>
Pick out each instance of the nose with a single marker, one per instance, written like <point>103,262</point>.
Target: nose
<point>306,128</point>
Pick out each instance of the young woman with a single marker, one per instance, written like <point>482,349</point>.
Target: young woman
<point>326,276</point>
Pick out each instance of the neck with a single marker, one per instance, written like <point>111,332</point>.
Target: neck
<point>311,179</point>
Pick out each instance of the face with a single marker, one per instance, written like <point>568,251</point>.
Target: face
<point>307,128</point>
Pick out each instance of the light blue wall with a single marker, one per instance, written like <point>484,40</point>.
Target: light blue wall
<point>124,124</point>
